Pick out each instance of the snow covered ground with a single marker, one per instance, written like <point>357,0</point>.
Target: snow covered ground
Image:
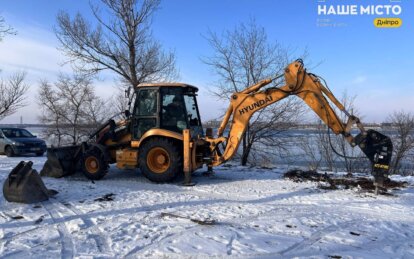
<point>257,214</point>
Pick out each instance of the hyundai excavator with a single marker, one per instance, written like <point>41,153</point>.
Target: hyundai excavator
<point>163,135</point>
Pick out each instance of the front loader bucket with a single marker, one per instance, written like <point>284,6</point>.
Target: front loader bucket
<point>61,161</point>
<point>24,185</point>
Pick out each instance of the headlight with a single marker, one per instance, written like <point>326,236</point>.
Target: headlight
<point>18,144</point>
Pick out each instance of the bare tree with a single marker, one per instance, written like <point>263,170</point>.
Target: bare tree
<point>325,149</point>
<point>119,102</point>
<point>70,108</point>
<point>13,89</point>
<point>347,155</point>
<point>317,149</point>
<point>12,94</point>
<point>52,109</point>
<point>5,29</point>
<point>336,149</point>
<point>403,140</point>
<point>122,42</point>
<point>332,151</point>
<point>312,154</point>
<point>243,57</point>
<point>265,138</point>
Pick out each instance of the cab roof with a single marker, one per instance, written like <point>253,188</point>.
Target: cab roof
<point>167,85</point>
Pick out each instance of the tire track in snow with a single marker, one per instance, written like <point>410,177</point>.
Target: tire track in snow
<point>66,242</point>
<point>316,236</point>
<point>279,211</point>
<point>97,234</point>
<point>154,241</point>
<point>389,213</point>
<point>58,213</point>
<point>370,246</point>
<point>171,236</point>
<point>229,246</point>
<point>6,240</point>
<point>292,251</point>
<point>232,225</point>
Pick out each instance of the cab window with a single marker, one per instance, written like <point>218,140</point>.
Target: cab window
<point>145,113</point>
<point>191,108</point>
<point>173,116</point>
<point>146,103</point>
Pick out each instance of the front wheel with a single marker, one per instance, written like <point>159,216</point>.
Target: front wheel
<point>94,165</point>
<point>160,160</point>
<point>9,151</point>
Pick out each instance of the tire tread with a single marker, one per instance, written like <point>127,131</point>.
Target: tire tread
<point>175,157</point>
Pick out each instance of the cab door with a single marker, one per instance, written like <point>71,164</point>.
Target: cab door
<point>146,112</point>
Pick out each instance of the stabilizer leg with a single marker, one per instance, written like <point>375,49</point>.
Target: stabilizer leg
<point>209,172</point>
<point>187,158</point>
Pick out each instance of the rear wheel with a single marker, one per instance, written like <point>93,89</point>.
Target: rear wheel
<point>94,165</point>
<point>9,151</point>
<point>160,160</point>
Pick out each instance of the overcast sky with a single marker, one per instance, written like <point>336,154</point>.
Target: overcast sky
<point>373,64</point>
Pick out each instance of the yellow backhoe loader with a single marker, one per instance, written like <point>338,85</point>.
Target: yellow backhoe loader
<point>164,137</point>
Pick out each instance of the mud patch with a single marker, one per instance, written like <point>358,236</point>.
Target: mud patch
<point>333,183</point>
<point>106,197</point>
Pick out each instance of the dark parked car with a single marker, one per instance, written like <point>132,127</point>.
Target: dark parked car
<point>15,141</point>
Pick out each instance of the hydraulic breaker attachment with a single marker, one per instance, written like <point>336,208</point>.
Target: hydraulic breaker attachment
<point>378,148</point>
<point>24,185</point>
<point>61,161</point>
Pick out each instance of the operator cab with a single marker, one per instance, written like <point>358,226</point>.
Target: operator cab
<point>169,106</point>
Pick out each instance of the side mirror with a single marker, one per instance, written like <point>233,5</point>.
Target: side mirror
<point>127,113</point>
<point>127,92</point>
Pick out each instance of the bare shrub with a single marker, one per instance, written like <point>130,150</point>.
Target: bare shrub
<point>334,152</point>
<point>70,108</point>
<point>242,57</point>
<point>403,142</point>
<point>12,94</point>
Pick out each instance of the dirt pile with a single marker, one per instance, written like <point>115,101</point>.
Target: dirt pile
<point>339,182</point>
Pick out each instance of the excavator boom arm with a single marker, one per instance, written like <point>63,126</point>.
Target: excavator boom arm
<point>308,87</point>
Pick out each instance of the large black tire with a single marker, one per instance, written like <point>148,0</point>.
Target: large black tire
<point>160,160</point>
<point>94,164</point>
<point>9,151</point>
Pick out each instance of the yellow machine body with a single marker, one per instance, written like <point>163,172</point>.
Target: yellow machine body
<point>162,150</point>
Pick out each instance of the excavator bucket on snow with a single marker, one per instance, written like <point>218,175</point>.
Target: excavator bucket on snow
<point>61,161</point>
<point>24,185</point>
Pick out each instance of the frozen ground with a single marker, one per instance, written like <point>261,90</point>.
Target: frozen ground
<point>257,213</point>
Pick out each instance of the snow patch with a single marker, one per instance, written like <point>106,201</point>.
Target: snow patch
<point>257,214</point>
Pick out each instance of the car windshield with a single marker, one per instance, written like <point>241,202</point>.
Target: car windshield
<point>17,133</point>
